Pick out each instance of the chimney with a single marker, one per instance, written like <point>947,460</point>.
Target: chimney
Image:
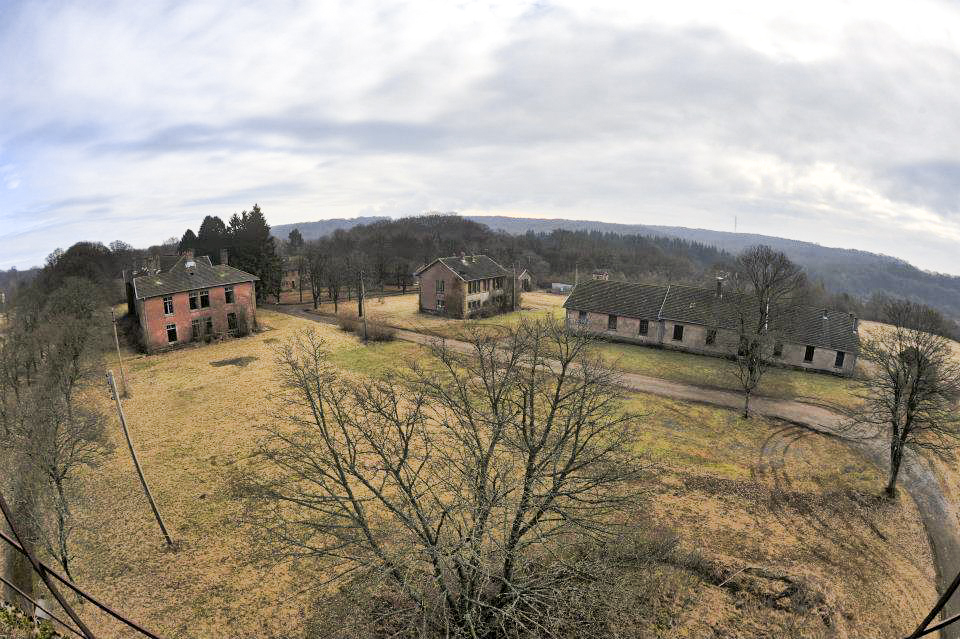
<point>719,286</point>
<point>826,313</point>
<point>187,253</point>
<point>224,256</point>
<point>856,323</point>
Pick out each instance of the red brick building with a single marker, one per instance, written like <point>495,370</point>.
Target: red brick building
<point>191,301</point>
<point>467,285</point>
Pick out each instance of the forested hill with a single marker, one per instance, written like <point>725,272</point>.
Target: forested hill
<point>858,273</point>
<point>320,228</point>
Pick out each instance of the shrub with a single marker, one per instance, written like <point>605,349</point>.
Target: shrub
<point>348,323</point>
<point>376,332</point>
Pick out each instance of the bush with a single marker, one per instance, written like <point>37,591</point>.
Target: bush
<point>376,332</point>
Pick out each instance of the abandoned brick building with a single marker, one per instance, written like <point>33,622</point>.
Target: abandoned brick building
<point>185,299</point>
<point>701,320</point>
<point>467,285</point>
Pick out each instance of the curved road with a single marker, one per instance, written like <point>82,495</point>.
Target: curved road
<point>915,475</point>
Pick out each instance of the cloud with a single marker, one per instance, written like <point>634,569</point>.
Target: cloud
<point>825,123</point>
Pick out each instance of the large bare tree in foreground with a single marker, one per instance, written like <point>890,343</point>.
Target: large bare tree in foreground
<point>448,481</point>
<point>766,283</point>
<point>911,385</point>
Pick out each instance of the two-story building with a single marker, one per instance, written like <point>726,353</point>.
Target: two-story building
<point>191,301</point>
<point>466,285</point>
<point>705,321</point>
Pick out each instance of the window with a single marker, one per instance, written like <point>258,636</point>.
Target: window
<point>168,306</point>
<point>839,361</point>
<point>473,287</point>
<point>808,354</point>
<point>644,327</point>
<point>232,322</point>
<point>208,327</point>
<point>778,349</point>
<point>582,318</point>
<point>171,333</point>
<point>228,294</point>
<point>486,285</point>
<point>195,330</point>
<point>440,285</point>
<point>440,304</point>
<point>612,322</point>
<point>194,300</point>
<point>204,299</point>
<point>678,332</point>
<point>498,283</point>
<point>711,337</point>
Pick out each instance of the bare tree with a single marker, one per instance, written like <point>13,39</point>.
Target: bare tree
<point>911,386</point>
<point>315,263</point>
<point>765,283</point>
<point>448,481</point>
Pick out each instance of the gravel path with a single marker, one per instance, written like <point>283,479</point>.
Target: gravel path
<point>916,477</point>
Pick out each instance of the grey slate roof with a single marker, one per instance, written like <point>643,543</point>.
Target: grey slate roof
<point>179,278</point>
<point>628,299</point>
<point>688,304</point>
<point>470,267</point>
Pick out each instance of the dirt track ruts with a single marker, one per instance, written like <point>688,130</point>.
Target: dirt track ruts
<point>916,476</point>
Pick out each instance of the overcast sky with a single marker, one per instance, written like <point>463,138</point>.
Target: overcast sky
<point>828,122</point>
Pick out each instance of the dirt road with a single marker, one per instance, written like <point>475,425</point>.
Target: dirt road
<point>916,476</point>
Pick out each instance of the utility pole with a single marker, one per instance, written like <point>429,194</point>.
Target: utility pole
<point>136,462</point>
<point>116,340</point>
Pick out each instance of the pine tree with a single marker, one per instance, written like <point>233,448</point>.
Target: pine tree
<point>211,238</point>
<point>254,250</point>
<point>296,240</point>
<point>188,241</point>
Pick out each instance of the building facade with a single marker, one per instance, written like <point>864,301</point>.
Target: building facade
<point>192,301</point>
<point>704,321</point>
<point>466,285</point>
<point>525,279</point>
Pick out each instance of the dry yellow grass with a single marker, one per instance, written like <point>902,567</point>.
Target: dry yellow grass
<point>745,493</point>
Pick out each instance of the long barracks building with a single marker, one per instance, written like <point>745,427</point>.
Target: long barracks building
<point>704,321</point>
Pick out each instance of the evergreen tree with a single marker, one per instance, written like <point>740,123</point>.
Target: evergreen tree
<point>212,237</point>
<point>188,241</point>
<point>296,240</point>
<point>253,250</point>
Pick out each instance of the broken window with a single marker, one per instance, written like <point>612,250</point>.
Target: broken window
<point>711,337</point>
<point>678,332</point>
<point>808,354</point>
<point>168,305</point>
<point>232,322</point>
<point>194,300</point>
<point>612,322</point>
<point>440,304</point>
<point>486,285</point>
<point>498,283</point>
<point>440,284</point>
<point>838,362</point>
<point>171,333</point>
<point>228,294</point>
<point>644,327</point>
<point>204,299</point>
<point>582,318</point>
<point>778,349</point>
<point>208,327</point>
<point>195,330</point>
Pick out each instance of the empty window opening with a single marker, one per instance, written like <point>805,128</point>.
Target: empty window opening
<point>208,326</point>
<point>582,318</point>
<point>194,300</point>
<point>778,349</point>
<point>612,322</point>
<point>228,294</point>
<point>440,304</point>
<point>168,305</point>
<point>711,336</point>
<point>171,333</point>
<point>440,285</point>
<point>808,354</point>
<point>838,362</point>
<point>204,299</point>
<point>644,327</point>
<point>232,322</point>
<point>195,330</point>
<point>678,332</point>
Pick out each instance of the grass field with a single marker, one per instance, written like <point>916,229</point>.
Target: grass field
<point>741,493</point>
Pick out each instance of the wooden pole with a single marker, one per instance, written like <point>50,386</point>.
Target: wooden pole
<point>136,462</point>
<point>360,293</point>
<point>116,340</point>
<point>52,587</point>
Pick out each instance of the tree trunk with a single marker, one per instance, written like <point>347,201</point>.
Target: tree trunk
<point>17,567</point>
<point>746,404</point>
<point>896,457</point>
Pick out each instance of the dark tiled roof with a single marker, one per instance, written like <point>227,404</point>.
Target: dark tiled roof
<point>470,267</point>
<point>628,299</point>
<point>803,325</point>
<point>179,278</point>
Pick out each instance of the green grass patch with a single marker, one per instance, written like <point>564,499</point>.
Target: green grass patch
<point>375,357</point>
<point>716,372</point>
